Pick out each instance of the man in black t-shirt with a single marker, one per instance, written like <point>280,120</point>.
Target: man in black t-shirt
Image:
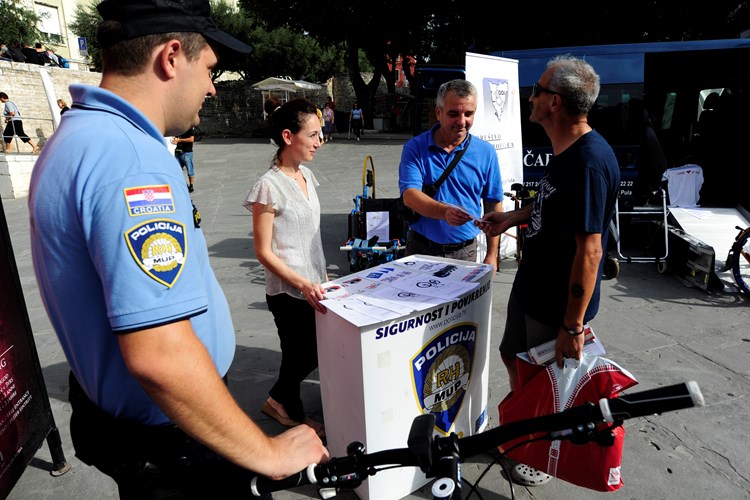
<point>556,289</point>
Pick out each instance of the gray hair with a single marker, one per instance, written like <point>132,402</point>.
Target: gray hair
<point>462,89</point>
<point>576,80</point>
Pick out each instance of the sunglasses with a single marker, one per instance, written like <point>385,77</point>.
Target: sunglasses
<point>538,89</point>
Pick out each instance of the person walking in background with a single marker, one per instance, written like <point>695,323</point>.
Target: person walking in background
<point>356,120</point>
<point>571,212</point>
<point>287,242</point>
<point>149,358</point>
<point>329,119</point>
<point>332,105</point>
<point>63,106</point>
<point>184,154</point>
<point>443,229</point>
<point>14,125</point>
<point>319,112</point>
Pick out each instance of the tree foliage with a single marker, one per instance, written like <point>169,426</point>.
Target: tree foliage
<point>381,29</point>
<point>276,52</point>
<point>442,32</point>
<point>19,24</point>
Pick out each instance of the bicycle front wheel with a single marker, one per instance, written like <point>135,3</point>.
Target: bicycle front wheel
<point>741,262</point>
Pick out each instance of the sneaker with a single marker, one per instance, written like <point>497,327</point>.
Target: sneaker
<point>525,475</point>
<point>190,188</point>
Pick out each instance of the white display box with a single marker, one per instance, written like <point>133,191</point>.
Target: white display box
<point>376,378</point>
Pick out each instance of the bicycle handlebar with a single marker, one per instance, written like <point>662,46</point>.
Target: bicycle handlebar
<point>349,471</point>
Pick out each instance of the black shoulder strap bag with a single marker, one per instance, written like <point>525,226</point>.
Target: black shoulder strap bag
<point>431,190</point>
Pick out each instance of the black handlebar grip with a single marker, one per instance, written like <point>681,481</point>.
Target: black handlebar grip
<point>663,399</point>
<point>261,485</point>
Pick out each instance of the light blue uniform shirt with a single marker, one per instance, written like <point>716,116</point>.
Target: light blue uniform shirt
<point>115,248</point>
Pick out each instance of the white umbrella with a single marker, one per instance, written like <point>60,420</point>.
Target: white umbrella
<point>284,84</point>
<point>278,84</point>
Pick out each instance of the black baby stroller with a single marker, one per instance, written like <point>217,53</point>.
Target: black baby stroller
<point>377,231</point>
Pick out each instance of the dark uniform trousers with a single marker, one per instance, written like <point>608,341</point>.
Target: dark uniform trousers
<point>151,462</point>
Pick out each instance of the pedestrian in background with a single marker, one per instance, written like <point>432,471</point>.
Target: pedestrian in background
<point>356,120</point>
<point>319,112</point>
<point>63,106</point>
<point>184,154</point>
<point>14,125</point>
<point>329,119</point>
<point>287,242</point>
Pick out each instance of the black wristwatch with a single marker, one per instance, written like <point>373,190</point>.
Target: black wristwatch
<point>572,332</point>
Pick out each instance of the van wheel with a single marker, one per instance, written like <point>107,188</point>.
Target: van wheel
<point>661,267</point>
<point>611,268</point>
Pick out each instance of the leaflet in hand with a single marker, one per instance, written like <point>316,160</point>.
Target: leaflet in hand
<point>462,209</point>
<point>544,354</point>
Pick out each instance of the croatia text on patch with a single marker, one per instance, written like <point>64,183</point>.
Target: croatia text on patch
<point>159,247</point>
<point>149,200</point>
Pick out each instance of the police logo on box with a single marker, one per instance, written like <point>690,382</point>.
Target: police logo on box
<point>159,248</point>
<point>441,373</point>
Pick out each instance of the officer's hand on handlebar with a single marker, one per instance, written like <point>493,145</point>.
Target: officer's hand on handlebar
<point>297,448</point>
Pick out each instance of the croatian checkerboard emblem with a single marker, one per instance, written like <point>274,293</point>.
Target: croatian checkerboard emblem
<point>441,373</point>
<point>149,200</point>
<point>159,247</point>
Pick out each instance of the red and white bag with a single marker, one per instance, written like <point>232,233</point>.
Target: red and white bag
<point>549,389</point>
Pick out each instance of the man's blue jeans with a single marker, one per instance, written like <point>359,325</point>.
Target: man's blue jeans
<point>186,161</point>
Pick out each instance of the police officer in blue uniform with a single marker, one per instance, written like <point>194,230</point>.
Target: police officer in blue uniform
<point>124,273</point>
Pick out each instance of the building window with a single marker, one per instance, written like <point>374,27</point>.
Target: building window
<point>49,23</point>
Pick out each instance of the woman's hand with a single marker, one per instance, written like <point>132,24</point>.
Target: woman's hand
<point>313,293</point>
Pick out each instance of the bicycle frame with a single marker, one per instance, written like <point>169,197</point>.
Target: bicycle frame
<point>441,457</point>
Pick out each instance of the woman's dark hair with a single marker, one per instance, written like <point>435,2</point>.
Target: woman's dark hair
<point>291,116</point>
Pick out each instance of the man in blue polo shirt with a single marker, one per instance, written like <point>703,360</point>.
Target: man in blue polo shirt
<point>445,228</point>
<point>125,277</point>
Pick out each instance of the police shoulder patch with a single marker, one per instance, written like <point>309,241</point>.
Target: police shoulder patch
<point>159,247</point>
<point>441,373</point>
<point>149,200</point>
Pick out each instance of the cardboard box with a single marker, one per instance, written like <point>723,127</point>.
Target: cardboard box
<point>376,378</point>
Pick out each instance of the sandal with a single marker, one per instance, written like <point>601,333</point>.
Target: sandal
<point>525,475</point>
<point>271,412</point>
